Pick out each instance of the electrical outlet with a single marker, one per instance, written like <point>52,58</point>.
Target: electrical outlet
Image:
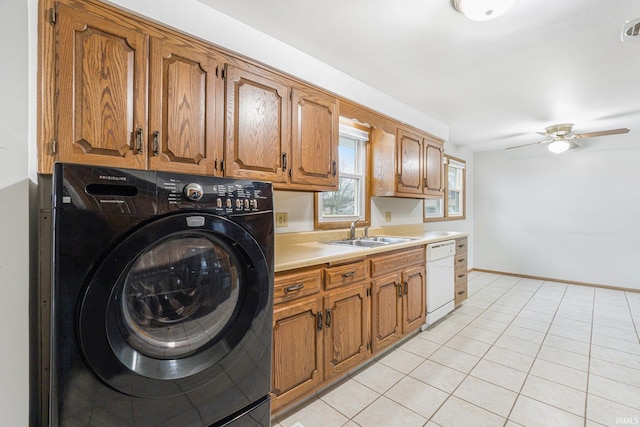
<point>282,219</point>
<point>387,216</point>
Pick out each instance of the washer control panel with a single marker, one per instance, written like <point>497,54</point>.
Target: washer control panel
<point>221,195</point>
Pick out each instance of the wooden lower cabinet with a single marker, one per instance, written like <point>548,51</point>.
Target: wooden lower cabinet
<point>460,272</point>
<point>414,298</point>
<point>297,350</point>
<point>346,329</point>
<point>318,338</point>
<point>386,325</point>
<point>365,306</point>
<point>398,305</point>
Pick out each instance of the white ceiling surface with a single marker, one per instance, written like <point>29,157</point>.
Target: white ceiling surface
<point>493,83</point>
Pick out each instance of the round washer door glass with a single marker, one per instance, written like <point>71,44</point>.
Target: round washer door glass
<point>178,296</point>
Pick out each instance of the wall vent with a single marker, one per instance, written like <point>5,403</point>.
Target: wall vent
<point>631,30</point>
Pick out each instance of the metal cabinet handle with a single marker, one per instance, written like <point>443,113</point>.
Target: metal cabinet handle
<point>138,141</point>
<point>156,145</point>
<point>400,290</point>
<point>319,320</point>
<point>406,288</point>
<point>460,276</point>
<point>293,288</point>
<point>328,318</point>
<point>461,260</point>
<point>334,168</point>
<point>462,292</point>
<point>284,161</point>
<point>349,274</point>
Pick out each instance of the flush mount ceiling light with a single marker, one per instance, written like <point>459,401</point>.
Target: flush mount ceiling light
<point>482,10</point>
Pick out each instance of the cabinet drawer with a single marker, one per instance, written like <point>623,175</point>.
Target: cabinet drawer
<point>461,293</point>
<point>396,261</point>
<point>460,260</point>
<point>296,284</point>
<point>461,245</point>
<point>341,275</point>
<point>461,276</point>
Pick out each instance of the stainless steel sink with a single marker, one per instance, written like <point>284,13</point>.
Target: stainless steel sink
<point>388,239</point>
<point>357,242</point>
<point>370,242</point>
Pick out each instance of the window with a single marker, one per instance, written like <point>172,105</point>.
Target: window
<point>336,209</point>
<point>453,206</point>
<point>455,187</point>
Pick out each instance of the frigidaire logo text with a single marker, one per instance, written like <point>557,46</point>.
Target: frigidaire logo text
<point>113,178</point>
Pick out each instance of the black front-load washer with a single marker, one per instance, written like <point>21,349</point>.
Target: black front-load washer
<point>161,299</point>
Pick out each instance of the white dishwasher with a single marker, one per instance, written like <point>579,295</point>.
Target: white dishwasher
<point>440,280</point>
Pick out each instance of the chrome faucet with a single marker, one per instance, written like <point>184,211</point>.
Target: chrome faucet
<point>352,229</point>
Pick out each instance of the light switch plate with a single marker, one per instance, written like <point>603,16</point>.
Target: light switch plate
<point>282,219</point>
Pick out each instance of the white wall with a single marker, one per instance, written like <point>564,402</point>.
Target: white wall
<point>14,213</point>
<point>572,216</point>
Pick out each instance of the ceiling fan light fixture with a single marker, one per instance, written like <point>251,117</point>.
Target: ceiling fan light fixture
<point>559,146</point>
<point>482,10</point>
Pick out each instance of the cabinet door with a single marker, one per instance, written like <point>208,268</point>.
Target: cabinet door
<point>434,169</point>
<point>185,108</point>
<point>314,159</point>
<point>346,338</point>
<point>386,311</point>
<point>258,126</point>
<point>409,157</point>
<point>101,88</point>
<point>297,350</point>
<point>413,301</point>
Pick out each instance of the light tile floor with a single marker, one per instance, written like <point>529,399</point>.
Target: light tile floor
<point>518,352</point>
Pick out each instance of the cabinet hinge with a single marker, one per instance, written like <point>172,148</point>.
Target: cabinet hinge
<point>52,16</point>
<point>53,146</point>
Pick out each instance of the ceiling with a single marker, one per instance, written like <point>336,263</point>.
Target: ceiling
<point>495,83</point>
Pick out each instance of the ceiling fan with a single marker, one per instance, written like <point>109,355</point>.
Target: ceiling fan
<point>561,138</point>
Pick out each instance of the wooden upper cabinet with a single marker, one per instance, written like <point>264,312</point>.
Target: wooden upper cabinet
<point>185,108</point>
<point>433,167</point>
<point>314,124</point>
<point>101,87</point>
<point>110,73</point>
<point>409,158</point>
<point>258,126</point>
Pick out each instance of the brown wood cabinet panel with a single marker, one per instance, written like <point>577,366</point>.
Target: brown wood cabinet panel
<point>258,126</point>
<point>314,150</point>
<point>346,338</point>
<point>461,270</point>
<point>346,274</point>
<point>297,350</point>
<point>414,302</point>
<point>409,157</point>
<point>101,87</point>
<point>386,311</point>
<point>383,264</point>
<point>185,107</point>
<point>383,163</point>
<point>433,168</point>
<point>297,284</point>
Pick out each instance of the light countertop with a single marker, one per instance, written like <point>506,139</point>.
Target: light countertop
<point>307,249</point>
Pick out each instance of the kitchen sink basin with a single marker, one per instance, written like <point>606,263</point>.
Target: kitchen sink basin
<point>370,242</point>
<point>388,239</point>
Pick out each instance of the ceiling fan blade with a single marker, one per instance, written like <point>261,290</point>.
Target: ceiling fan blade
<point>532,143</point>
<point>600,133</point>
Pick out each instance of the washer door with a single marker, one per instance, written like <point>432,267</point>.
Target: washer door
<point>170,301</point>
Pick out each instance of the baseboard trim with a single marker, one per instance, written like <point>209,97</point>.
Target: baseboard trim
<point>551,279</point>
